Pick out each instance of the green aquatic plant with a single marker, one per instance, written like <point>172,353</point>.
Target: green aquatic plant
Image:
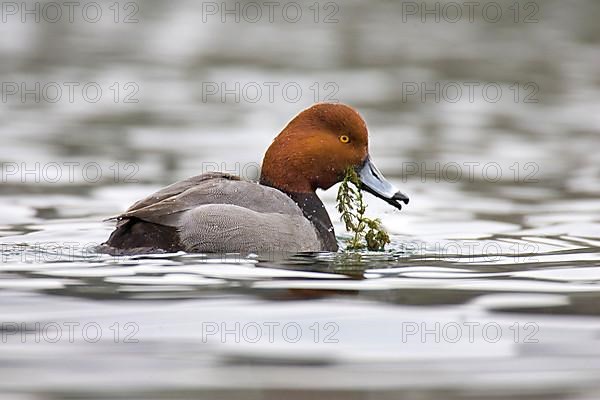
<point>366,232</point>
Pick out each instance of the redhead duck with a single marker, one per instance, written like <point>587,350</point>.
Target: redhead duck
<point>219,213</point>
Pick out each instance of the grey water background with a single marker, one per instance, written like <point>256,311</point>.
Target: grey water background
<point>489,289</point>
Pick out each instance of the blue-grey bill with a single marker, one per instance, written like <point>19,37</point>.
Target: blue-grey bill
<point>374,182</point>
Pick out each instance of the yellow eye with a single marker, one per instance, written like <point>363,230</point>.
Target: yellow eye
<point>344,139</point>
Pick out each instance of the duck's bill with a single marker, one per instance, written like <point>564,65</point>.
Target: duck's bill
<point>373,182</point>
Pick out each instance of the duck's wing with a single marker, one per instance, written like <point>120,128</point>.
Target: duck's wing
<point>174,190</point>
<point>165,206</point>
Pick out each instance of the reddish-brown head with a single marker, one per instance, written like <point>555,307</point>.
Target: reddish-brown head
<point>315,148</point>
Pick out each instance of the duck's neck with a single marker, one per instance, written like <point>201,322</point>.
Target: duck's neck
<point>313,209</point>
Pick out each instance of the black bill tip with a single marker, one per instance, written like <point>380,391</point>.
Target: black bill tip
<point>399,196</point>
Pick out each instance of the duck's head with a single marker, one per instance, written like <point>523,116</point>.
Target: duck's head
<point>316,147</point>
